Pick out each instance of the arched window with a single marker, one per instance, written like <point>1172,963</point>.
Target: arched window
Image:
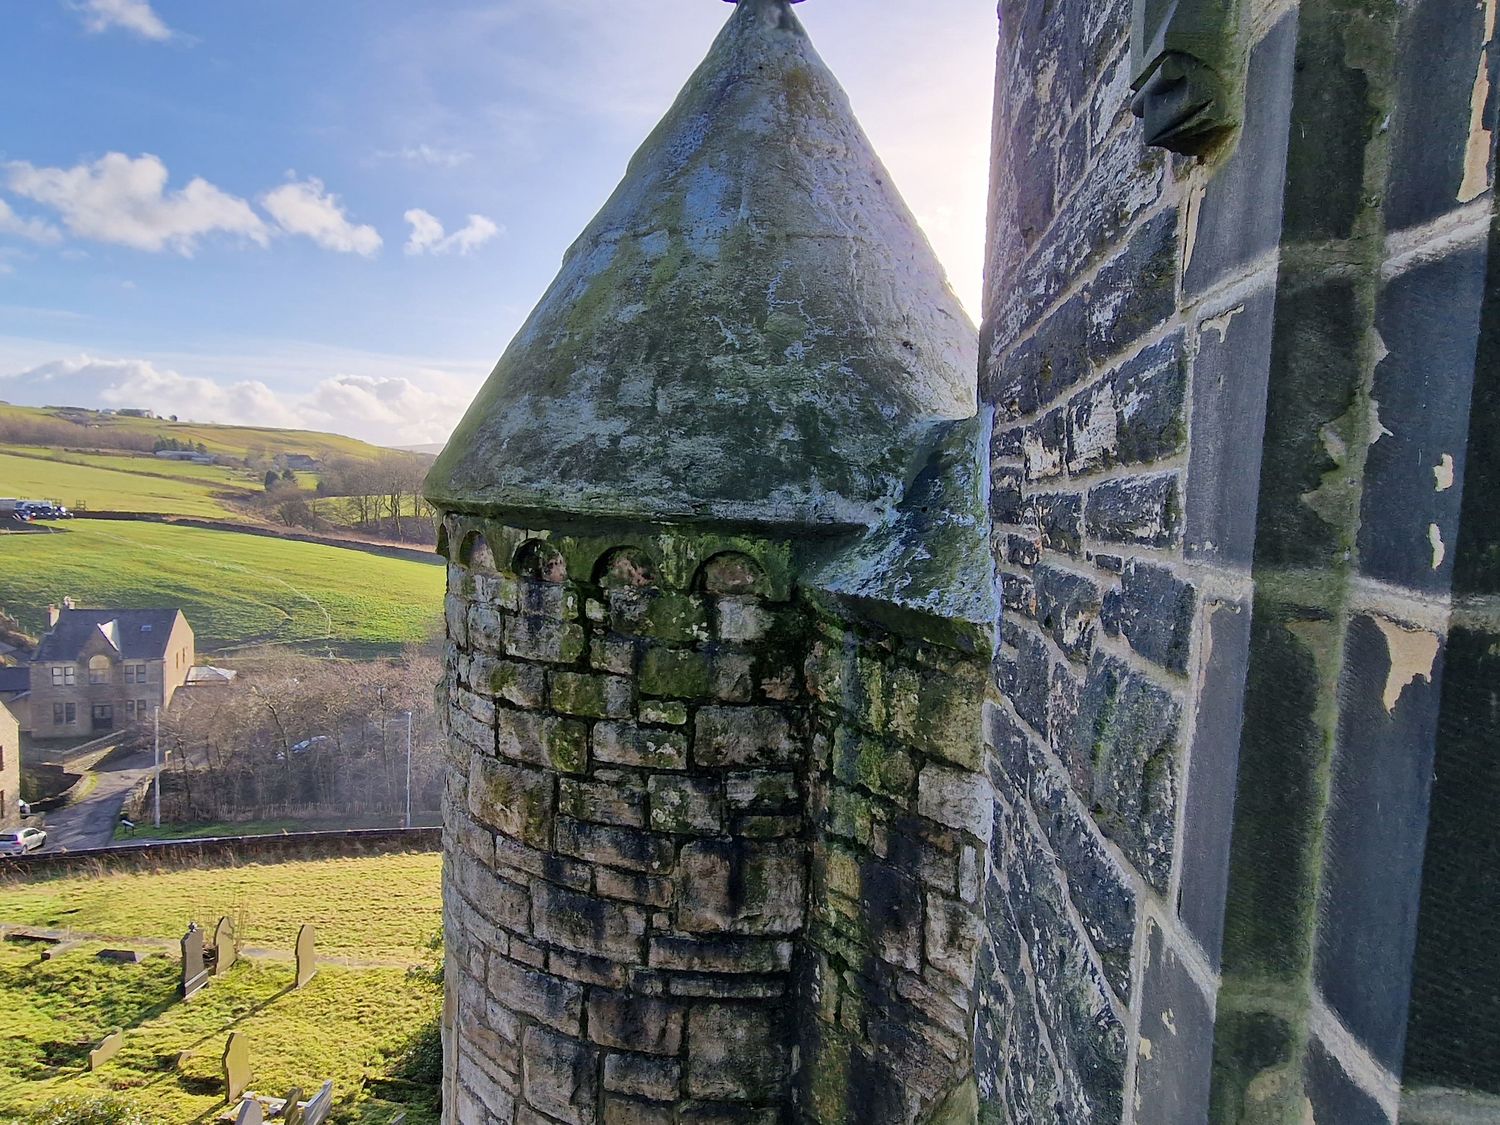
<point>99,669</point>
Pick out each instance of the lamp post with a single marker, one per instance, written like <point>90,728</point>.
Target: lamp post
<point>408,769</point>
<point>156,757</point>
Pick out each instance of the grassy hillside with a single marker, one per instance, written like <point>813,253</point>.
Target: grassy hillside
<point>119,484</point>
<point>89,430</point>
<point>235,589</point>
<point>353,1023</point>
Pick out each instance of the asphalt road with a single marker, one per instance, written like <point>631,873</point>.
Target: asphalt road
<point>90,823</point>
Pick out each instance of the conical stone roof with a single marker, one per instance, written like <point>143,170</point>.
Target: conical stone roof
<point>752,330</point>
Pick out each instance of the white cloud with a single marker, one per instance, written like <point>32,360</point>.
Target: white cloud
<point>400,411</point>
<point>90,381</point>
<point>432,155</point>
<point>117,199</point>
<point>307,208</point>
<point>33,229</point>
<point>135,16</point>
<point>427,235</point>
<point>388,409</point>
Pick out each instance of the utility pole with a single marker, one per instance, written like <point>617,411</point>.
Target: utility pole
<point>156,782</point>
<point>408,769</point>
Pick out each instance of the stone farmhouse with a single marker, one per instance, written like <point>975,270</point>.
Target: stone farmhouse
<point>10,769</point>
<point>856,719</point>
<point>97,670</point>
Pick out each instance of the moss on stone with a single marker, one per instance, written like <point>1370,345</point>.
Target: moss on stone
<point>676,673</point>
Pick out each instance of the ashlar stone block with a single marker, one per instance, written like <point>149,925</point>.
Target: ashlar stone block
<point>735,886</point>
<point>558,1076</point>
<point>514,800</point>
<point>735,1053</point>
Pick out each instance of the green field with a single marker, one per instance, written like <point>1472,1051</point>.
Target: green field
<point>235,589</point>
<point>352,1023</point>
<point>119,484</point>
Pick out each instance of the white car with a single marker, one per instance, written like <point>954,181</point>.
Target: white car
<point>19,843</point>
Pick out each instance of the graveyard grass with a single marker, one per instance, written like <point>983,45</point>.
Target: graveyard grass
<point>378,908</point>
<point>235,589</point>
<point>351,1023</point>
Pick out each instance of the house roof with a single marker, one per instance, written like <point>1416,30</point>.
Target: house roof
<point>13,681</point>
<point>137,634</point>
<point>753,329</point>
<point>209,675</point>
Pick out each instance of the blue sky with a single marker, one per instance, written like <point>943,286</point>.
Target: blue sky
<point>336,214</point>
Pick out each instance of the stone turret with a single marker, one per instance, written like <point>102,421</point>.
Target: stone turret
<point>720,607</point>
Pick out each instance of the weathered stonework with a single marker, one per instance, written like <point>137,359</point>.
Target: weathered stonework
<point>1233,395</point>
<point>826,751</point>
<point>720,612</point>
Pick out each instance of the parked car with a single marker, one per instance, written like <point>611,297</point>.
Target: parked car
<point>45,510</point>
<point>25,807</point>
<point>19,843</point>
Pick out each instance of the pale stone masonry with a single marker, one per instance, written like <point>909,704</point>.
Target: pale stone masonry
<point>1120,752</point>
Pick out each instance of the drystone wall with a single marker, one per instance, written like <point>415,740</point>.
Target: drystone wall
<point>699,828</point>
<point>1243,468</point>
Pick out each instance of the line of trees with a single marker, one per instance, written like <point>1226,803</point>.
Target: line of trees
<point>384,494</point>
<point>299,736</point>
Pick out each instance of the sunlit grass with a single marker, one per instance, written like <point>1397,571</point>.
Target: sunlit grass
<point>235,589</point>
<point>375,907</point>
<point>350,1024</point>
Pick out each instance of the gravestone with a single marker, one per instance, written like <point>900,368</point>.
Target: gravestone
<point>236,1066</point>
<point>108,1048</point>
<point>291,1110</point>
<point>250,1113</point>
<point>307,955</point>
<point>226,946</point>
<point>317,1111</point>
<point>194,973</point>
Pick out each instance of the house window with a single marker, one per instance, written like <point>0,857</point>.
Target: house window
<point>140,708</point>
<point>98,669</point>
<point>130,708</point>
<point>135,673</point>
<point>64,676</point>
<point>63,713</point>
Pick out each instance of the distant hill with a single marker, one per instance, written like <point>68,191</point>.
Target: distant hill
<point>76,428</point>
<point>432,448</point>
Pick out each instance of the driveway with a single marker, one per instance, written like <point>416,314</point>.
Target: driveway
<point>90,823</point>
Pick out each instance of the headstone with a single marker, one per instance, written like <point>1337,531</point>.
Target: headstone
<point>250,1113</point>
<point>236,1066</point>
<point>291,1111</point>
<point>194,974</point>
<point>226,948</point>
<point>307,955</point>
<point>320,1108</point>
<point>108,1048</point>
<point>124,956</point>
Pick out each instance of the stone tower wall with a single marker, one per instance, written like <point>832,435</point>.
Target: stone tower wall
<point>900,821</point>
<point>1241,503</point>
<point>625,873</point>
<point>707,830</point>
